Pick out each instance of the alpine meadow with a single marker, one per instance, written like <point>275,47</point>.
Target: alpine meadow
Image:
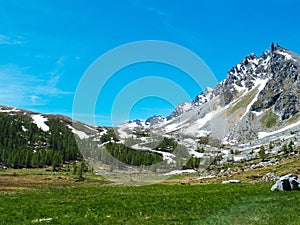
<point>149,112</point>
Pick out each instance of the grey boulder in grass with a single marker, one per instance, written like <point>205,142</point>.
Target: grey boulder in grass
<point>287,183</point>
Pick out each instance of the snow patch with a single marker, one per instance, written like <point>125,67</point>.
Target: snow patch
<point>257,113</point>
<point>24,129</point>
<point>239,88</point>
<point>174,172</point>
<point>39,120</point>
<point>172,127</point>
<point>237,158</point>
<point>79,133</point>
<point>195,128</point>
<point>225,152</point>
<point>261,85</point>
<point>10,110</point>
<point>286,55</point>
<point>186,106</point>
<point>103,132</point>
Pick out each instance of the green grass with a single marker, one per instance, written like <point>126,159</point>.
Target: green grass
<point>155,204</point>
<point>268,119</point>
<point>293,119</point>
<point>244,102</point>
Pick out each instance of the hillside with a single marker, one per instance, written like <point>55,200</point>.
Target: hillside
<point>31,140</point>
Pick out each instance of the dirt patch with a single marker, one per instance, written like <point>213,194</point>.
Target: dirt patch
<point>21,182</point>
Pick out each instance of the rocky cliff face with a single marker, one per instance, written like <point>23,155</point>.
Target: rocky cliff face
<point>282,90</point>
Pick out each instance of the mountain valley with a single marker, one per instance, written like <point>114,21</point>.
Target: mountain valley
<point>251,119</point>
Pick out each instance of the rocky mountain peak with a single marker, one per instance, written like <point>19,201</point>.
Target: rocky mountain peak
<point>277,65</point>
<point>153,120</point>
<point>281,92</point>
<point>243,77</point>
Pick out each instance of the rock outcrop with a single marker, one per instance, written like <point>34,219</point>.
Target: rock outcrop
<point>287,183</point>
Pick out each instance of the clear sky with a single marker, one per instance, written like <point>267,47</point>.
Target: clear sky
<point>47,45</point>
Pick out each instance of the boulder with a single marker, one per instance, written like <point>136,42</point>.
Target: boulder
<point>287,183</point>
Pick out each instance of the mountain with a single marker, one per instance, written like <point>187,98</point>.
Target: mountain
<point>252,116</point>
<point>256,105</point>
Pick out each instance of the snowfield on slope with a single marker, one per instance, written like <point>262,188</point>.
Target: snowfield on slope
<point>39,120</point>
<point>79,133</point>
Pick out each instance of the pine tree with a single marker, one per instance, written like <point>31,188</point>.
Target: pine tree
<point>56,161</point>
<point>291,146</point>
<point>74,168</point>
<point>262,153</point>
<point>284,148</point>
<point>81,169</point>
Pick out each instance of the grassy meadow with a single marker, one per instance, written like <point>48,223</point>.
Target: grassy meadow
<point>60,200</point>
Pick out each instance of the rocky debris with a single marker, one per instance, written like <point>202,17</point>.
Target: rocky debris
<point>270,177</point>
<point>287,183</point>
<point>231,181</point>
<point>264,164</point>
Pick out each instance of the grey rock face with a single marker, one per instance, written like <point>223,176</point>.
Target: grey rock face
<point>282,90</point>
<point>287,105</point>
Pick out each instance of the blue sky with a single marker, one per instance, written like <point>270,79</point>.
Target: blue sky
<point>47,45</point>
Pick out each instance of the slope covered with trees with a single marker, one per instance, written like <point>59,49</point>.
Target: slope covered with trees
<point>23,144</point>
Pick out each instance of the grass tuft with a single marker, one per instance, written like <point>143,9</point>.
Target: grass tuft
<point>268,119</point>
<point>244,102</point>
